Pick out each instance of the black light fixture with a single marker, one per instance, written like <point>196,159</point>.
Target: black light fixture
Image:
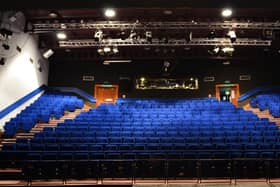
<point>6,46</point>
<point>2,61</point>
<point>18,48</point>
<point>5,33</point>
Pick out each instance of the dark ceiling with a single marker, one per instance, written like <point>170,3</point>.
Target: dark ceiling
<point>146,13</point>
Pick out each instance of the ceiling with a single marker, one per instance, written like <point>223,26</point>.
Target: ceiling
<point>185,32</point>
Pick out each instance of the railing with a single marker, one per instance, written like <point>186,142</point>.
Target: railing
<point>156,169</point>
<point>77,91</point>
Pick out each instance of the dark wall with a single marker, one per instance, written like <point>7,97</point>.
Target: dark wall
<point>262,71</point>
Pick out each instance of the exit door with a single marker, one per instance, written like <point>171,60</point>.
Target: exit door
<point>105,93</point>
<point>228,93</point>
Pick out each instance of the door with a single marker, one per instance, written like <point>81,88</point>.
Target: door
<point>228,93</point>
<point>105,93</point>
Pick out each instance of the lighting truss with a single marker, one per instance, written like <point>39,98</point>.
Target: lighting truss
<point>171,42</point>
<point>50,27</point>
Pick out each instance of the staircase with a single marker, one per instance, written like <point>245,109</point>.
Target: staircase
<point>262,114</point>
<point>39,126</point>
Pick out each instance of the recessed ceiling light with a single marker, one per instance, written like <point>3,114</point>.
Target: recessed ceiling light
<point>53,14</point>
<point>110,13</point>
<point>167,12</point>
<point>61,35</point>
<point>227,12</point>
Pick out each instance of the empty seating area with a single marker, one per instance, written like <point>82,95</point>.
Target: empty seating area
<point>152,139</point>
<point>270,101</point>
<point>49,105</point>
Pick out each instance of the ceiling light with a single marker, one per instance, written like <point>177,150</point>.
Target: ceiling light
<point>116,61</point>
<point>53,14</point>
<point>227,12</point>
<point>61,35</point>
<point>167,12</point>
<point>110,13</point>
<point>226,63</point>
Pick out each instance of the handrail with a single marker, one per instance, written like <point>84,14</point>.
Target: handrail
<point>77,91</point>
<point>257,90</point>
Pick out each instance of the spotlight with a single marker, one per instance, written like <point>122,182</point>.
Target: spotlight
<point>98,36</point>
<point>123,35</point>
<point>2,61</point>
<point>189,37</point>
<point>115,50</point>
<point>107,49</point>
<point>227,12</point>
<point>133,35</point>
<point>48,53</point>
<point>100,51</point>
<point>212,34</point>
<point>109,13</point>
<point>166,65</point>
<point>149,36</point>
<point>61,35</point>
<point>232,35</point>
<point>6,46</point>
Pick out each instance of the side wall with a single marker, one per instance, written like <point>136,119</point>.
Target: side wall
<point>21,73</point>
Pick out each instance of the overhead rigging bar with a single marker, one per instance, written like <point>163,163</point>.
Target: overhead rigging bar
<point>156,42</point>
<point>48,27</point>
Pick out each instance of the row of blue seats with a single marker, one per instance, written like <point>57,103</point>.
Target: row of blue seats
<point>270,101</point>
<point>34,113</point>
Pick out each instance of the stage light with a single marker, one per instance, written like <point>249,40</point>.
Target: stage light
<point>212,34</point>
<point>107,49</point>
<point>232,35</point>
<point>61,35</point>
<point>109,13</point>
<point>149,36</point>
<point>133,35</point>
<point>123,35</point>
<point>48,53</point>
<point>98,36</point>
<point>227,12</point>
<point>227,49</point>
<point>115,50</point>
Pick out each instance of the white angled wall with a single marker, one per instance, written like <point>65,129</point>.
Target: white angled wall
<point>20,74</point>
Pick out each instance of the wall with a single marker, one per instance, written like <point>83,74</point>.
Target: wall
<point>70,74</point>
<point>20,74</point>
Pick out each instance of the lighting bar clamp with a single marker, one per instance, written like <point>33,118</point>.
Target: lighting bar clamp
<point>156,42</point>
<point>63,26</point>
